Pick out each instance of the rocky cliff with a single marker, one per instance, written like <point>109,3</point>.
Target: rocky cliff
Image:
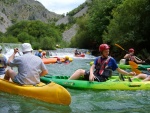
<point>12,11</point>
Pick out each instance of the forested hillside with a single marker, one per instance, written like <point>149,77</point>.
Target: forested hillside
<point>125,22</point>
<point>28,21</point>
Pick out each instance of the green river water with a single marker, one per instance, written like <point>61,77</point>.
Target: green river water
<point>83,101</point>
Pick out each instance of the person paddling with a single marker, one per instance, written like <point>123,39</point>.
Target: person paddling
<point>102,68</point>
<point>66,60</point>
<point>44,54</point>
<point>39,53</point>
<point>76,53</point>
<point>30,67</point>
<point>130,57</point>
<point>58,61</point>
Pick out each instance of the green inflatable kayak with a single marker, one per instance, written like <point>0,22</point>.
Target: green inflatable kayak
<point>123,66</point>
<point>112,84</point>
<point>140,67</point>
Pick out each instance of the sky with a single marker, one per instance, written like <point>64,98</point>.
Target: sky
<point>61,6</point>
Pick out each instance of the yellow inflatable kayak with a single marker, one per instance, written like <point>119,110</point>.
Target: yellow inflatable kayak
<point>51,93</point>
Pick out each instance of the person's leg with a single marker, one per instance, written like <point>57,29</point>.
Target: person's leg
<point>77,74</point>
<point>10,74</point>
<point>141,76</point>
<point>147,78</point>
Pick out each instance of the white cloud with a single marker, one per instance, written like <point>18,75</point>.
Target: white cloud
<point>61,6</point>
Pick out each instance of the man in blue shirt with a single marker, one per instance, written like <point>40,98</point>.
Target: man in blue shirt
<point>102,68</point>
<point>39,53</point>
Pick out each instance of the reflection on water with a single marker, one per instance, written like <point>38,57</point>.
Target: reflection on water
<point>19,104</point>
<point>111,101</point>
<point>82,101</point>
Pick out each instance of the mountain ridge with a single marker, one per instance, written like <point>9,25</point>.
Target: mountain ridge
<point>12,11</point>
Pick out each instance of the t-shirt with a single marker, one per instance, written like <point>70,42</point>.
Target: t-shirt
<point>29,69</point>
<point>112,63</point>
<point>38,54</point>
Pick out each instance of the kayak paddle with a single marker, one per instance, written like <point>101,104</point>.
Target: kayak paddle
<point>133,64</point>
<point>136,71</point>
<point>134,67</point>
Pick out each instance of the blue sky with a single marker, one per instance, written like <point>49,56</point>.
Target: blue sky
<point>61,6</point>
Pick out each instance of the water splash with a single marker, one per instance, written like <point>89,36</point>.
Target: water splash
<point>7,49</point>
<point>70,52</point>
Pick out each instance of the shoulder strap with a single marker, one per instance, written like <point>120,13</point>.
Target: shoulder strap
<point>107,60</point>
<point>99,60</point>
<point>103,65</point>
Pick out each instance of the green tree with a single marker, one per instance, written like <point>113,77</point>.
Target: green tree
<point>34,31</point>
<point>9,39</point>
<point>92,26</point>
<point>1,34</point>
<point>47,43</point>
<point>24,37</point>
<point>130,25</point>
<point>81,39</point>
<point>100,16</point>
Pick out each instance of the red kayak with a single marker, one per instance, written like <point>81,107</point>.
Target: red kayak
<point>81,55</point>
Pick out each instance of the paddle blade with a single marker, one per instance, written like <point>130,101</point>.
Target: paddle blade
<point>119,46</point>
<point>133,64</point>
<point>136,71</point>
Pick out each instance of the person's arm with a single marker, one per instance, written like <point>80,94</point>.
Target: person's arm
<point>121,71</point>
<point>91,77</point>
<point>92,68</point>
<point>43,73</point>
<point>127,56</point>
<point>12,56</point>
<point>44,69</point>
<point>148,69</point>
<point>138,61</point>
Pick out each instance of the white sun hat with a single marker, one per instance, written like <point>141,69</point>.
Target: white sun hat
<point>26,47</point>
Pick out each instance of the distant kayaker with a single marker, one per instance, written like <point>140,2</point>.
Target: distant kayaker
<point>58,61</point>
<point>44,54</point>
<point>30,67</point>
<point>66,60</point>
<point>39,53</point>
<point>102,68</point>
<point>77,52</point>
<point>144,76</point>
<point>3,62</point>
<point>130,57</point>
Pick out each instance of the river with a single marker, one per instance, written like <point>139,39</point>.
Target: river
<point>83,101</point>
